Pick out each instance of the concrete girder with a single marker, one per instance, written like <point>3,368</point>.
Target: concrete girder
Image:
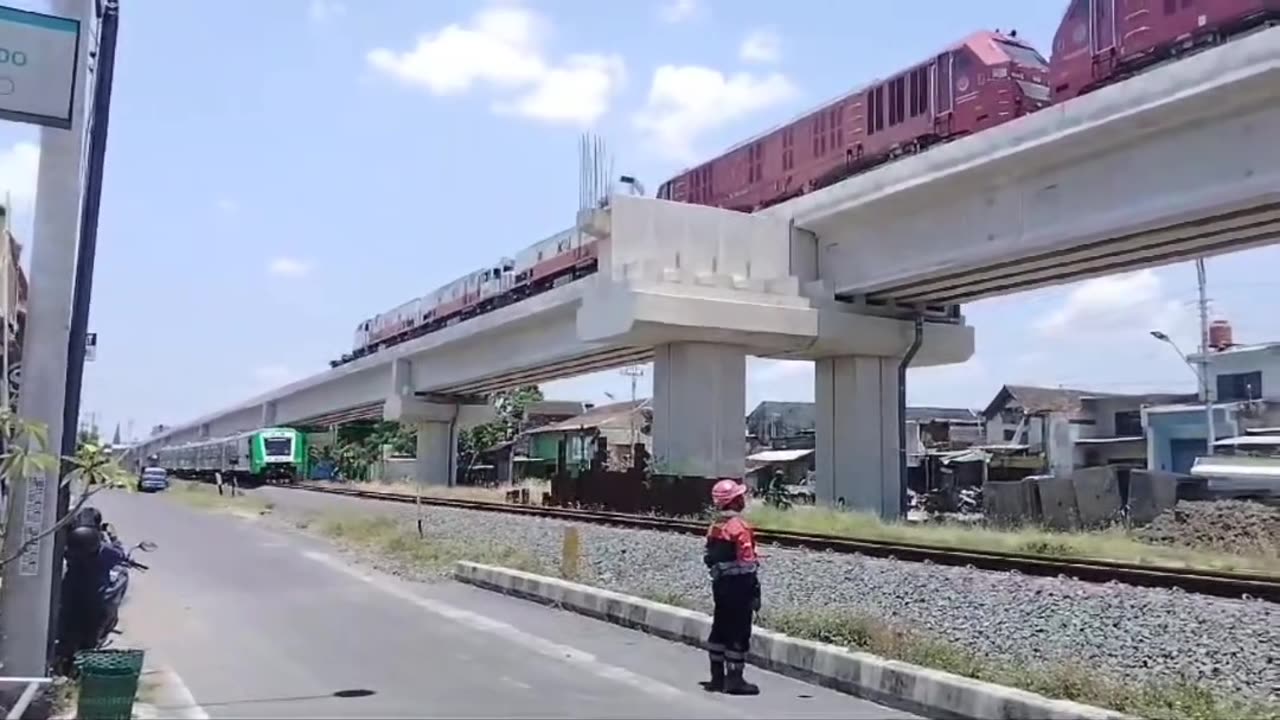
<point>1167,166</point>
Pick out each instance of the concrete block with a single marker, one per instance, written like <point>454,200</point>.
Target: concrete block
<point>1097,495</point>
<point>1151,492</point>
<point>1012,502</point>
<point>909,687</point>
<point>1058,502</point>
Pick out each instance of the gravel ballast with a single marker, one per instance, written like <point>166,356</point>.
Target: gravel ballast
<point>1128,632</point>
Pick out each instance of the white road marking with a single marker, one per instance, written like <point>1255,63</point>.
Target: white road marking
<point>564,653</point>
<point>173,696</point>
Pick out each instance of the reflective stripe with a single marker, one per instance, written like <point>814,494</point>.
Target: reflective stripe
<point>715,647</point>
<point>734,666</point>
<point>734,656</point>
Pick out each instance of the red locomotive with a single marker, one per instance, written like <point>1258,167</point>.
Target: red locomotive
<point>985,80</point>
<point>1100,42</point>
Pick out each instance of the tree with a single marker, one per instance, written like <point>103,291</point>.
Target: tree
<point>509,409</point>
<point>25,453</point>
<point>88,436</point>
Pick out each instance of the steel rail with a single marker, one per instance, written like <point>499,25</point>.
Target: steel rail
<point>1219,583</point>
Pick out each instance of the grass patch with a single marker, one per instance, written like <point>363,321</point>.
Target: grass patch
<point>397,540</point>
<point>1116,544</point>
<point>1157,701</point>
<point>205,497</point>
<point>537,488</point>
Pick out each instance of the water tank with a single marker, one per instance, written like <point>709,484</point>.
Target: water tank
<point>1220,335</point>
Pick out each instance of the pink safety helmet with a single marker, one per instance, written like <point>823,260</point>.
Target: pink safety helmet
<point>726,491</point>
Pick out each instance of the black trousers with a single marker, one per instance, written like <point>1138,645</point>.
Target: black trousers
<point>730,638</point>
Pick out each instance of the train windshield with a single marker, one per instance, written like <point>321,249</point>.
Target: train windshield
<point>278,447</point>
<point>1025,56</point>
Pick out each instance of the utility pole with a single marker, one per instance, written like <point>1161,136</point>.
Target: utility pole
<point>25,601</point>
<point>635,372</point>
<point>1205,391</point>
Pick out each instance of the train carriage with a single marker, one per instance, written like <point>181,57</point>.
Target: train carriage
<point>266,455</point>
<point>984,81</point>
<point>1100,42</point>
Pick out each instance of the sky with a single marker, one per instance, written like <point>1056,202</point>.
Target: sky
<point>271,183</point>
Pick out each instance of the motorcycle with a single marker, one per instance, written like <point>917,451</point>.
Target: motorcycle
<point>93,586</point>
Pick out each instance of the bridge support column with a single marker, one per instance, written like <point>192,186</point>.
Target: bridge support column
<point>268,414</point>
<point>436,453</point>
<point>699,399</point>
<point>438,423</point>
<point>857,434</point>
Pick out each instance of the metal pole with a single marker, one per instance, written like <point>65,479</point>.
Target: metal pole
<point>1204,355</point>
<point>24,605</point>
<point>88,243</point>
<point>7,307</point>
<point>910,355</point>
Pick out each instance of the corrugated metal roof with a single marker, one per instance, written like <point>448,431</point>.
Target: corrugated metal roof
<point>1069,401</point>
<point>1249,441</point>
<point>612,416</point>
<point>778,456</point>
<point>1237,467</point>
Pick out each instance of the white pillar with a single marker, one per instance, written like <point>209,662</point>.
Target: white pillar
<point>268,414</point>
<point>435,453</point>
<point>699,399</point>
<point>857,433</point>
<point>32,507</point>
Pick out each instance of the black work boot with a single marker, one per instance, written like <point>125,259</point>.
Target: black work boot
<point>716,683</point>
<point>735,685</point>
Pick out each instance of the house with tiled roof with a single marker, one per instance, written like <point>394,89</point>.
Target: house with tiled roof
<point>1072,427</point>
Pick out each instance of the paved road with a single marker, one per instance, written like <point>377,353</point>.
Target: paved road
<point>263,622</point>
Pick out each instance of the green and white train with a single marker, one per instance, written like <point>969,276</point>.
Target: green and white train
<point>266,455</point>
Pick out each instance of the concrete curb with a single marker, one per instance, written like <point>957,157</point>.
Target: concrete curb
<point>908,687</point>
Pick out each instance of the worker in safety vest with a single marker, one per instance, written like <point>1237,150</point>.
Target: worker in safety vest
<point>731,558</point>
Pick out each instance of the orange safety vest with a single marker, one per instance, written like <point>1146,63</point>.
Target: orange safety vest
<point>731,547</point>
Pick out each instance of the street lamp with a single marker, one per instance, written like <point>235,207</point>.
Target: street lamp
<point>1202,375</point>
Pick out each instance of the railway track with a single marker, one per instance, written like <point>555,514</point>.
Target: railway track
<point>1203,582</point>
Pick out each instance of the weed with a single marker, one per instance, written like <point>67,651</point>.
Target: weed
<point>399,541</point>
<point>1116,543</point>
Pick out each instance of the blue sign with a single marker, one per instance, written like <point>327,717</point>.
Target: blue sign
<point>39,58</point>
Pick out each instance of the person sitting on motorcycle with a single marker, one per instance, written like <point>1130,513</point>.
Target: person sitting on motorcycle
<point>87,578</point>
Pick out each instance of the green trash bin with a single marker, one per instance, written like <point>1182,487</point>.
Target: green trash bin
<point>108,683</point>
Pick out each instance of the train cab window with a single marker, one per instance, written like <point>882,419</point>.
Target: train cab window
<point>1170,7</point>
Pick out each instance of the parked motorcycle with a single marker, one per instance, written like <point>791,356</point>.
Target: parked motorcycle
<point>93,585</point>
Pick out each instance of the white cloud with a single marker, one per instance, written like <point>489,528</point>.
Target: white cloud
<point>1130,305</point>
<point>324,11</point>
<point>18,167</point>
<point>502,49</point>
<point>677,11</point>
<point>577,92</point>
<point>686,101</point>
<point>227,206</point>
<point>288,267</point>
<point>762,46</point>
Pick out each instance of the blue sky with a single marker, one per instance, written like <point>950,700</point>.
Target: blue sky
<point>271,182</point>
